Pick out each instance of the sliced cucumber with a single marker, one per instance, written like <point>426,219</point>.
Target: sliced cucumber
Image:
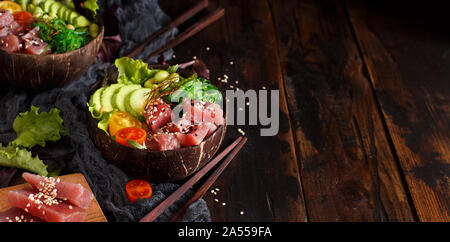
<point>46,5</point>
<point>81,21</point>
<point>119,97</point>
<point>72,16</point>
<point>136,101</point>
<point>94,101</point>
<point>106,97</point>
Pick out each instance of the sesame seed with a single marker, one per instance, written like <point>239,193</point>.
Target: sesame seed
<point>216,200</point>
<point>174,56</point>
<point>242,213</point>
<point>194,57</point>
<point>223,204</point>
<point>217,189</point>
<point>207,48</point>
<point>231,62</point>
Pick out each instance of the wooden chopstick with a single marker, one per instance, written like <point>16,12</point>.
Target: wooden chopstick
<point>158,210</point>
<point>181,19</point>
<point>191,31</point>
<point>208,183</point>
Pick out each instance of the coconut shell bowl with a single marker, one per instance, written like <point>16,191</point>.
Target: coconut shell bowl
<point>155,166</point>
<point>42,72</point>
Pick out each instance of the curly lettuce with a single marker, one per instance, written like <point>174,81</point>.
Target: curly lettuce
<point>133,71</point>
<point>34,128</point>
<point>12,156</point>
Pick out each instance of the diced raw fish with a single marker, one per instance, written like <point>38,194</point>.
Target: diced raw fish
<point>213,113</point>
<point>31,34</point>
<point>4,31</point>
<point>35,46</point>
<point>50,210</point>
<point>157,114</point>
<point>194,135</point>
<point>211,128</point>
<point>18,215</point>
<point>6,18</point>
<point>162,141</point>
<point>72,193</point>
<point>193,110</point>
<point>15,28</point>
<point>10,43</point>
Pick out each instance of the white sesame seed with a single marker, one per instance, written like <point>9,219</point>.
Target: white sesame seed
<point>216,200</point>
<point>242,212</point>
<point>223,204</point>
<point>207,48</point>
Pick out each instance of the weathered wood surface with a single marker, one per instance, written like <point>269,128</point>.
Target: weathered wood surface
<point>349,172</point>
<point>407,61</point>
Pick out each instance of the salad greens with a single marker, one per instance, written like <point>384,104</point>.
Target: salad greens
<point>92,6</point>
<point>32,128</point>
<point>12,156</point>
<point>133,71</point>
<point>60,38</point>
<point>196,88</point>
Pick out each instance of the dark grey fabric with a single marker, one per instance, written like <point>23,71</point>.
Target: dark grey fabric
<point>138,19</point>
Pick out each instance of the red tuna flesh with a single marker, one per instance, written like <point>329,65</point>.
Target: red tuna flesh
<point>162,142</point>
<point>157,114</point>
<point>17,215</point>
<point>72,193</point>
<point>211,129</point>
<point>6,18</point>
<point>35,46</point>
<point>213,113</point>
<point>49,210</point>
<point>194,135</point>
<point>10,43</point>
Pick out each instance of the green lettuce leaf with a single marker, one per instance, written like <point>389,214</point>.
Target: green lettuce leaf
<point>104,121</point>
<point>92,5</point>
<point>133,71</point>
<point>11,156</point>
<point>34,128</point>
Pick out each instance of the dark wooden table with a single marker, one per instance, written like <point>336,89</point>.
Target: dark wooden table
<point>364,109</point>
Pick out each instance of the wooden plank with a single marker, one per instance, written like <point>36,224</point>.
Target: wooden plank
<point>348,170</point>
<point>263,180</point>
<point>94,212</point>
<point>408,67</point>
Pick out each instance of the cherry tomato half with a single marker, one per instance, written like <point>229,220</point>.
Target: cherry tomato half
<point>120,120</point>
<point>131,133</point>
<point>138,189</point>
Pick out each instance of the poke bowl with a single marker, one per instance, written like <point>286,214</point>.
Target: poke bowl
<point>165,154</point>
<point>46,46</point>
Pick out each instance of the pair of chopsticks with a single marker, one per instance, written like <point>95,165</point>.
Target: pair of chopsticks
<point>233,148</point>
<point>191,31</point>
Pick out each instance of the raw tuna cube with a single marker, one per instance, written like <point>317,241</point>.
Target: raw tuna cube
<point>72,193</point>
<point>31,34</point>
<point>17,215</point>
<point>213,113</point>
<point>162,141</point>
<point>4,31</point>
<point>6,18</point>
<point>157,114</point>
<point>211,128</point>
<point>194,111</point>
<point>50,210</point>
<point>35,46</point>
<point>10,43</point>
<point>194,135</point>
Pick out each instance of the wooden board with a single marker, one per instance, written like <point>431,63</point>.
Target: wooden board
<point>348,170</point>
<point>94,212</point>
<point>406,53</point>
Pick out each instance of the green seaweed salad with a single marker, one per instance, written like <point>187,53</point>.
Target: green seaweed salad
<point>61,25</point>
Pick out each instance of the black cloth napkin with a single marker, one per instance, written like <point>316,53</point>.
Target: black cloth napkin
<point>137,20</point>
